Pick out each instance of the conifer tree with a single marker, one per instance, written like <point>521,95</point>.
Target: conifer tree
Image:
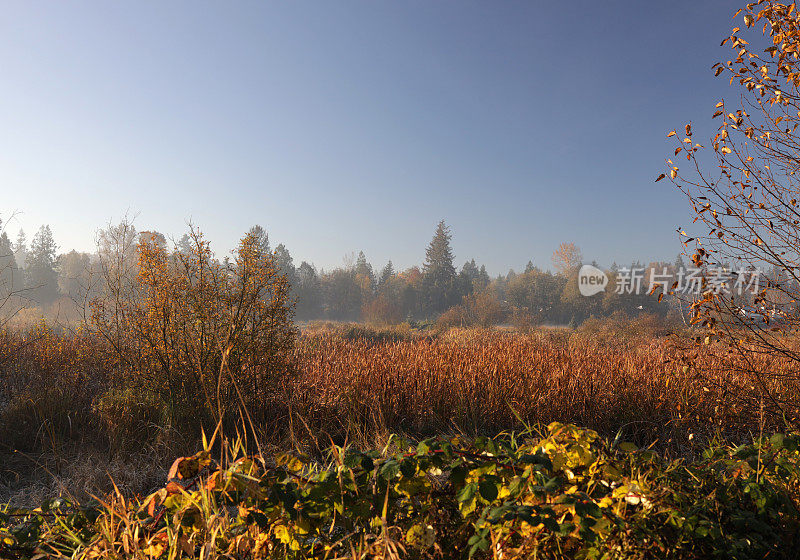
<point>21,248</point>
<point>309,292</point>
<point>364,269</point>
<point>386,274</point>
<point>438,270</point>
<point>41,275</point>
<point>529,267</point>
<point>8,267</point>
<point>283,259</point>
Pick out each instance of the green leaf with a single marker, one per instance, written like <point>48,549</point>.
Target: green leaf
<point>390,469</point>
<point>488,490</point>
<point>409,467</point>
<point>352,460</point>
<point>467,492</point>
<point>627,447</point>
<point>423,448</point>
<point>588,509</point>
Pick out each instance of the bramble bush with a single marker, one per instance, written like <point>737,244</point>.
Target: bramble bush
<point>564,494</point>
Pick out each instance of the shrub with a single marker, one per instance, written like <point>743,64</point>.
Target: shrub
<point>619,326</point>
<point>482,309</point>
<point>381,311</point>
<point>456,316</point>
<point>566,493</point>
<point>196,331</point>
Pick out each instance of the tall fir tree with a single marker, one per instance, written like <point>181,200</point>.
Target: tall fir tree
<point>21,248</point>
<point>41,275</point>
<point>285,264</point>
<point>386,274</point>
<point>364,269</point>
<point>529,267</point>
<point>438,271</point>
<point>9,275</point>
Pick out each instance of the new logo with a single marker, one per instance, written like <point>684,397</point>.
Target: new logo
<point>591,280</point>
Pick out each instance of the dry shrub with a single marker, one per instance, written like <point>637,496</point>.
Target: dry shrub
<point>381,311</point>
<point>486,309</point>
<point>523,320</point>
<point>201,334</point>
<point>482,309</point>
<point>49,380</point>
<point>619,326</point>
<point>456,316</point>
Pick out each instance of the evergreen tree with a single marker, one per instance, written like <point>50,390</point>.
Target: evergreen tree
<point>467,277</point>
<point>529,267</point>
<point>343,295</point>
<point>21,248</point>
<point>8,268</point>
<point>309,293</point>
<point>438,270</point>
<point>41,275</point>
<point>363,268</point>
<point>284,262</point>
<point>483,279</point>
<point>470,270</point>
<point>386,274</point>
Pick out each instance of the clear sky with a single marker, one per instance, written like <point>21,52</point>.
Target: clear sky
<point>346,126</point>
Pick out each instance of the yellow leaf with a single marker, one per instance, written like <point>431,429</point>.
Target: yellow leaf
<point>154,550</point>
<point>421,536</point>
<point>282,533</point>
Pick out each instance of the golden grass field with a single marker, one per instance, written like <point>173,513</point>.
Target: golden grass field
<point>648,387</point>
<point>358,385</point>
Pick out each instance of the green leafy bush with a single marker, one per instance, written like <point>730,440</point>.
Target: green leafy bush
<point>565,494</point>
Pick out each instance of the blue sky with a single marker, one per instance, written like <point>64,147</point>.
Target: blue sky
<point>346,126</point>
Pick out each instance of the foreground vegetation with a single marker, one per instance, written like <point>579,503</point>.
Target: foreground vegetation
<point>566,493</point>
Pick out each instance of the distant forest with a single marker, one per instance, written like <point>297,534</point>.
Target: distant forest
<point>59,285</point>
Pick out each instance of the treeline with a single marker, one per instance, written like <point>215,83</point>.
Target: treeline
<point>37,274</point>
<point>468,296</point>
